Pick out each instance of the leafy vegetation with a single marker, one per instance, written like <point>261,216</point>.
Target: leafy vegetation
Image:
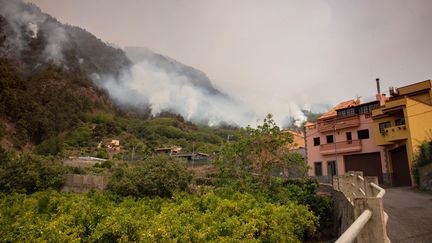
<point>60,112</point>
<point>29,173</point>
<point>209,216</point>
<point>423,157</point>
<point>155,176</point>
<point>256,153</point>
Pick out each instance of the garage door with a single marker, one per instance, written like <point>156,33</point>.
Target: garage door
<point>369,163</point>
<point>401,171</point>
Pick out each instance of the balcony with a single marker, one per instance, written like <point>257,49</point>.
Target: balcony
<point>395,133</point>
<point>341,147</point>
<point>340,123</point>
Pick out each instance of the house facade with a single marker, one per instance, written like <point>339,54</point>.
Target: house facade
<point>401,125</point>
<point>343,140</point>
<point>298,144</point>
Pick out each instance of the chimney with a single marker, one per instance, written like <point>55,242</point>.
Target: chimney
<point>379,96</point>
<point>378,86</point>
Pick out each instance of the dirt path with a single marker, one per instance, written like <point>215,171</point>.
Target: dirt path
<point>410,215</point>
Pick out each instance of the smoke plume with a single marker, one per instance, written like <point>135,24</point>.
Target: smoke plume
<point>21,16</point>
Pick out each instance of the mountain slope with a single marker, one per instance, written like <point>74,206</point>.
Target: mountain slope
<point>35,40</point>
<point>172,67</point>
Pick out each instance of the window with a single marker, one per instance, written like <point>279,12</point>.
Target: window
<point>317,141</point>
<point>363,134</point>
<point>318,168</point>
<point>350,112</point>
<point>363,109</point>
<point>400,121</point>
<point>383,126</point>
<point>373,107</point>
<point>329,138</point>
<point>342,113</point>
<point>349,136</point>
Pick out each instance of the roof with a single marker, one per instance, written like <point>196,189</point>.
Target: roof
<point>298,139</point>
<point>346,104</point>
<point>308,124</point>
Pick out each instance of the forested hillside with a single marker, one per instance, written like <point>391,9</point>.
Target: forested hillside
<point>54,111</point>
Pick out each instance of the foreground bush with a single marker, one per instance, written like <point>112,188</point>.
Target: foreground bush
<point>211,216</point>
<point>155,176</point>
<point>29,173</point>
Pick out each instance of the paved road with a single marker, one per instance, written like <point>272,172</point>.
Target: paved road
<point>410,215</point>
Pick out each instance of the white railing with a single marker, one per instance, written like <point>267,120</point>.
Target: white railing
<point>367,199</point>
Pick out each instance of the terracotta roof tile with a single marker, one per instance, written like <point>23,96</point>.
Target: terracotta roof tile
<point>346,104</point>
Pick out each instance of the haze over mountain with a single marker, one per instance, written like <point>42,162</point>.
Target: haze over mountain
<point>136,78</point>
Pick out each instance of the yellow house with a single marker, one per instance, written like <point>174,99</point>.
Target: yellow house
<point>401,124</point>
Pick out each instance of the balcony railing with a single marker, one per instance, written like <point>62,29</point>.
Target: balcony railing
<point>340,123</point>
<point>341,147</point>
<point>395,133</point>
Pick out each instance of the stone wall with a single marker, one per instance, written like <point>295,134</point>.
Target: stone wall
<point>343,210</point>
<point>84,183</point>
<point>425,176</point>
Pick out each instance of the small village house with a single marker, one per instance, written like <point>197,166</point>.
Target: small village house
<point>343,140</point>
<point>401,125</point>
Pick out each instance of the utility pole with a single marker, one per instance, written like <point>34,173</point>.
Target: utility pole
<point>193,154</point>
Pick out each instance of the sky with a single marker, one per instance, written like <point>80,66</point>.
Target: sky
<point>273,54</point>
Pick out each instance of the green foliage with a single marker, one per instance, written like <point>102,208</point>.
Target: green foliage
<point>45,104</point>
<point>106,164</point>
<point>220,216</point>
<point>304,192</point>
<point>102,153</point>
<point>30,173</point>
<point>423,157</point>
<point>155,176</point>
<point>51,146</point>
<point>256,153</point>
<point>80,137</point>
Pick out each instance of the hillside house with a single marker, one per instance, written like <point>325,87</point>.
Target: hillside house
<point>342,140</point>
<point>401,125</point>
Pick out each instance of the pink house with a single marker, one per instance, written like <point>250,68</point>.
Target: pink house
<point>343,140</point>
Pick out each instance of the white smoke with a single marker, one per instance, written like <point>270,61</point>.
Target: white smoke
<point>21,16</point>
<point>57,37</point>
<point>145,83</point>
<point>34,29</point>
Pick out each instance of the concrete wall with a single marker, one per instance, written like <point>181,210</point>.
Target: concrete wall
<point>84,183</point>
<point>425,174</point>
<point>343,210</point>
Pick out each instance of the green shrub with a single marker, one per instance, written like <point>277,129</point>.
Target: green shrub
<point>423,157</point>
<point>106,164</point>
<point>155,176</point>
<point>221,216</point>
<point>30,173</point>
<point>50,146</point>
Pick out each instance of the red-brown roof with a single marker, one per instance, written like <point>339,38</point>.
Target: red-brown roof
<point>298,139</point>
<point>346,104</point>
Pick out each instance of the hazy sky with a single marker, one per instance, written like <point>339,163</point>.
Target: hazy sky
<point>273,53</point>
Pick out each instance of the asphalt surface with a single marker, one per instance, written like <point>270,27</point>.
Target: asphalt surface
<point>410,215</point>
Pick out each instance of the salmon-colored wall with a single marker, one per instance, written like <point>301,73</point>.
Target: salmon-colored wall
<point>368,146</point>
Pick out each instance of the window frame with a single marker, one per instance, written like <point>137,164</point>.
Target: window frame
<point>332,139</point>
<point>315,139</point>
<point>359,132</point>
<point>383,125</point>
